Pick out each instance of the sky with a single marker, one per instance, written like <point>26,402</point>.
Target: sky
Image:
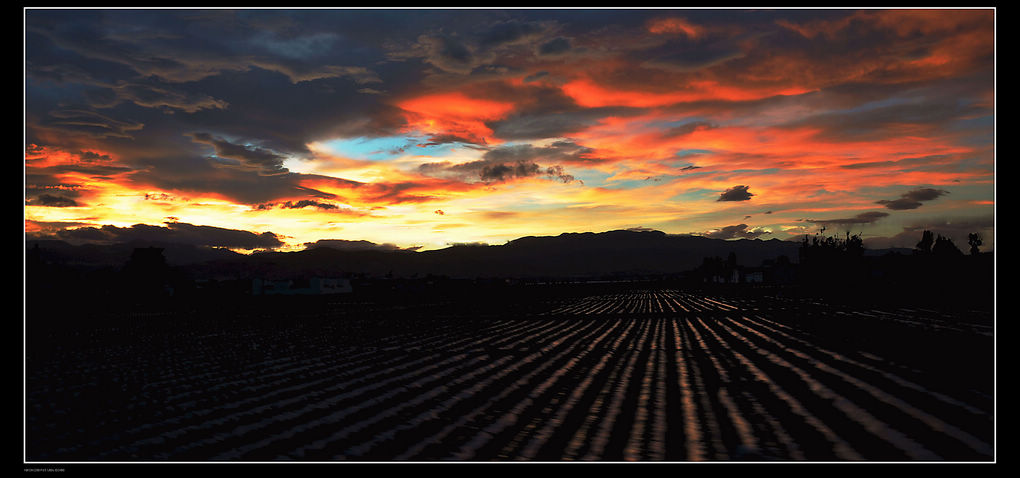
<point>275,129</point>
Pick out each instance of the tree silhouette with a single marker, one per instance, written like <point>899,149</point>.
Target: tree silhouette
<point>711,268</point>
<point>146,273</point>
<point>974,239</point>
<point>731,261</point>
<point>831,248</point>
<point>944,247</point>
<point>927,241</point>
<point>831,263</point>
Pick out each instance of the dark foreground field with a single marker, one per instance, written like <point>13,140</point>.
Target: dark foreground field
<point>650,375</point>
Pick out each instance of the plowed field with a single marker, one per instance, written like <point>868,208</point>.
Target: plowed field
<point>649,375</point>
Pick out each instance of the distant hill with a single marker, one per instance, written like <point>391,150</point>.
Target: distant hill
<point>566,255</point>
<point>607,253</point>
<point>613,253</point>
<point>97,256</point>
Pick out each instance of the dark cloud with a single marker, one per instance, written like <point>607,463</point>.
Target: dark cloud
<point>153,94</point>
<point>876,122</point>
<point>557,152</point>
<point>508,32</point>
<point>197,174</point>
<point>541,123</point>
<point>173,233</point>
<point>555,46</point>
<point>736,193</point>
<point>264,161</point>
<point>298,205</point>
<point>536,76</point>
<point>90,123</point>
<point>448,53</point>
<point>267,109</point>
<point>683,55</point>
<point>924,194</point>
<point>158,197</point>
<point>500,172</point>
<point>543,110</point>
<point>467,46</point>
<point>447,138</point>
<point>494,71</point>
<point>509,162</point>
<point>223,74</point>
<point>868,165</point>
<point>523,126</point>
<point>921,163</point>
<point>495,170</point>
<point>152,44</point>
<point>50,200</point>
<point>43,190</point>
<point>862,218</point>
<point>688,128</point>
<point>89,156</point>
<point>912,199</point>
<point>346,245</point>
<point>308,203</point>
<point>738,231</point>
<point>900,204</point>
<point>41,70</point>
<point>98,170</point>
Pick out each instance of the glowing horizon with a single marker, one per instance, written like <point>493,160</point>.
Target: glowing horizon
<point>426,128</point>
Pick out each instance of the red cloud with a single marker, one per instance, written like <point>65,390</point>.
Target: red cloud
<point>675,25</point>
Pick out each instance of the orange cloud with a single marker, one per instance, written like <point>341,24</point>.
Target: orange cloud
<point>588,93</point>
<point>903,22</point>
<point>785,167</point>
<point>454,114</point>
<point>675,25</point>
<point>949,42</point>
<point>37,156</point>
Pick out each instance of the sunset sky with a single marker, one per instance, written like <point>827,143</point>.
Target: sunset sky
<point>275,129</point>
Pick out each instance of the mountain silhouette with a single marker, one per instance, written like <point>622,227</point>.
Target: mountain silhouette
<point>588,254</point>
<point>103,274</point>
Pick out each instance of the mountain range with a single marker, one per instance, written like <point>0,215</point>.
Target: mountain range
<point>588,254</point>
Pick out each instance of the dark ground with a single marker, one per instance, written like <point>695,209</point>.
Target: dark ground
<point>435,375</point>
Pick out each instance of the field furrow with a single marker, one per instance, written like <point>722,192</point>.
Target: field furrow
<point>631,375</point>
